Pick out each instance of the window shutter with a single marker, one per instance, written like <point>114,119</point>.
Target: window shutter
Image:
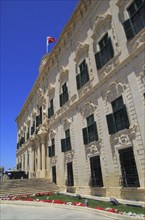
<point>37,120</point>
<point>128,28</point>
<point>78,81</point>
<point>98,60</point>
<point>50,151</point>
<point>126,120</point>
<point>85,135</point>
<point>49,112</point>
<point>86,72</point>
<point>61,99</point>
<point>63,145</point>
<point>111,123</point>
<point>111,50</point>
<point>53,151</point>
<point>95,131</point>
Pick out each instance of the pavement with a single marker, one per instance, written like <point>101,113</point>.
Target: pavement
<point>20,210</point>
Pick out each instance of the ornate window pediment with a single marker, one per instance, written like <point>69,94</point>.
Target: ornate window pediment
<point>34,113</point>
<point>52,133</point>
<point>63,73</point>
<point>88,109</point>
<point>66,123</point>
<point>115,89</point>
<point>100,21</point>
<point>81,50</point>
<point>28,120</point>
<point>51,89</point>
<point>41,100</point>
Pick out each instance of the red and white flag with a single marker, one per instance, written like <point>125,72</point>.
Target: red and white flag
<point>48,41</point>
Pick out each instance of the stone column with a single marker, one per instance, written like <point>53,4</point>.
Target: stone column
<point>32,162</point>
<point>43,156</point>
<point>38,156</point>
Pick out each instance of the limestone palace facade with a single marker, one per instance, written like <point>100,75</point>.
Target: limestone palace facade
<point>83,123</point>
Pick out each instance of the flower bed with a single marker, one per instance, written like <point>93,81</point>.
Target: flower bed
<point>28,197</point>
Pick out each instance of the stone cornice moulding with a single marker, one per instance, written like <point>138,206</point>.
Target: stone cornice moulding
<point>81,50</point>
<point>101,20</point>
<point>51,89</point>
<point>63,73</point>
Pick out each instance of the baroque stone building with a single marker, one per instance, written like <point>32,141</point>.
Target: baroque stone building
<point>83,123</point>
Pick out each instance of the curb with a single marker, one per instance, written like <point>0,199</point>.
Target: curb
<point>76,208</point>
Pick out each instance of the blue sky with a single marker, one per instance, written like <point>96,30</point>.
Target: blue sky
<point>24,27</point>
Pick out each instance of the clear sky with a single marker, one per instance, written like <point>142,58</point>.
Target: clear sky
<point>24,27</point>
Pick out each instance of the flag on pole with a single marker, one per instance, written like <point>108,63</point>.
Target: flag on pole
<point>49,40</point>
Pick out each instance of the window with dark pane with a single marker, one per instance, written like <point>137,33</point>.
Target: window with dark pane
<point>68,142</point>
<point>70,178</point>
<point>136,21</point>
<point>51,109</point>
<point>96,172</point>
<point>54,174</point>
<point>90,132</point>
<point>83,76</point>
<point>105,52</point>
<point>64,97</point>
<point>118,120</point>
<point>128,168</point>
<point>52,148</point>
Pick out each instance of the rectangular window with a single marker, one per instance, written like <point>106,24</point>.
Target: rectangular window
<point>83,77</point>
<point>70,179</point>
<point>129,172</point>
<point>64,96</point>
<point>66,142</point>
<point>96,172</point>
<point>52,148</point>
<point>54,174</point>
<point>105,53</point>
<point>136,21</point>
<point>51,109</point>
<point>90,132</point>
<point>118,120</point>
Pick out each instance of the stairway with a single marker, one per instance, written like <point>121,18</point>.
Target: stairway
<point>26,186</point>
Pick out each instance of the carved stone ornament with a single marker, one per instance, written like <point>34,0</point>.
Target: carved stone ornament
<point>53,161</point>
<point>51,89</point>
<point>83,91</point>
<point>42,67</point>
<point>52,133</point>
<point>69,156</point>
<point>63,73</point>
<point>34,113</point>
<point>66,123</point>
<point>42,130</point>
<point>28,120</point>
<point>121,3</point>
<point>81,51</point>
<point>93,148</point>
<point>41,100</point>
<point>24,126</point>
<point>124,137</point>
<point>99,22</point>
<point>88,109</point>
<point>139,41</point>
<point>114,90</point>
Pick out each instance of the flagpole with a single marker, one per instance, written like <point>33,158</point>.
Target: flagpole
<point>47,45</point>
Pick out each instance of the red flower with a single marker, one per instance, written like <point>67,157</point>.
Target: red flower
<point>100,208</point>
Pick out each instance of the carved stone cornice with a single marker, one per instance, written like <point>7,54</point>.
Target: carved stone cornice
<point>88,109</point>
<point>100,21</point>
<point>43,66</point>
<point>66,123</point>
<point>51,89</point>
<point>63,73</point>
<point>85,88</point>
<point>41,100</point>
<point>81,50</point>
<point>114,88</point>
<point>138,41</point>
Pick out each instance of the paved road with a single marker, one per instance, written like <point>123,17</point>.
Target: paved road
<point>50,212</point>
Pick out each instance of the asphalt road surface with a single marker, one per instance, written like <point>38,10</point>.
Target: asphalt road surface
<point>52,212</point>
